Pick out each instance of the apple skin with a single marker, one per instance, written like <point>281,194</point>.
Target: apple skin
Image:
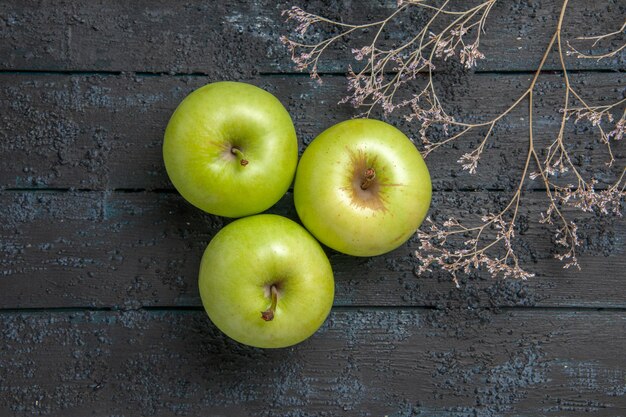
<point>338,212</point>
<point>239,267</point>
<point>216,127</point>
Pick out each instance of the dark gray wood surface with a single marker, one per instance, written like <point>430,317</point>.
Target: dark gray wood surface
<point>134,249</point>
<point>99,308</point>
<point>235,38</point>
<point>379,362</point>
<point>87,136</point>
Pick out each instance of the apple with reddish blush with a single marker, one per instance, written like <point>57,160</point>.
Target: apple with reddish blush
<point>266,282</point>
<point>362,188</point>
<point>230,149</point>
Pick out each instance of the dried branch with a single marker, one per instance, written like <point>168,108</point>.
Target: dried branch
<point>454,246</point>
<point>596,39</point>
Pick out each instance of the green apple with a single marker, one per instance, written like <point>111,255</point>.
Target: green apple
<point>266,282</point>
<point>362,188</point>
<point>230,149</point>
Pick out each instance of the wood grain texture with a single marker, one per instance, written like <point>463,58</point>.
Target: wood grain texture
<point>361,363</point>
<point>238,38</point>
<point>128,250</point>
<point>99,308</point>
<point>104,132</point>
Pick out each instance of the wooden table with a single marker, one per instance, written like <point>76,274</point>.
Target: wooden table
<point>100,313</point>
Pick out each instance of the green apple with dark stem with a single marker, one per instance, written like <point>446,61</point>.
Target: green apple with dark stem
<point>266,282</point>
<point>362,188</point>
<point>230,149</point>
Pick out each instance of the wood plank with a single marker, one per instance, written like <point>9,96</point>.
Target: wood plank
<point>235,38</point>
<point>128,250</point>
<point>105,132</point>
<point>361,363</point>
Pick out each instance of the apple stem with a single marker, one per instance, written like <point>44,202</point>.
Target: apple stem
<point>236,151</point>
<point>268,314</point>
<point>370,175</point>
